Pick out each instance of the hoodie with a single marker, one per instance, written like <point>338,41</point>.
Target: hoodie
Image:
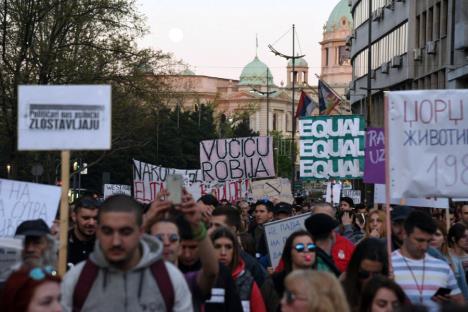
<point>135,290</point>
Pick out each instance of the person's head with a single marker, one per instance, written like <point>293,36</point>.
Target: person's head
<point>361,208</point>
<point>310,291</point>
<point>226,247</point>
<point>324,208</point>
<point>398,216</point>
<point>263,211</point>
<point>346,204</point>
<point>207,204</point>
<point>119,230</point>
<point>464,213</point>
<point>282,210</point>
<point>85,217</point>
<point>39,247</point>
<point>321,227</point>
<point>168,234</point>
<point>439,239</point>
<point>419,229</point>
<point>36,290</point>
<point>244,208</point>
<point>376,222</point>
<point>298,251</point>
<point>225,216</point>
<point>381,294</point>
<point>458,236</point>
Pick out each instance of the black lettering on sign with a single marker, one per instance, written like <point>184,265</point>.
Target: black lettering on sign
<point>206,168</point>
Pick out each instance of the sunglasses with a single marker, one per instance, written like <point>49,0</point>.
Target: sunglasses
<point>171,237</point>
<point>363,274</point>
<point>290,297</point>
<point>39,274</point>
<point>300,247</point>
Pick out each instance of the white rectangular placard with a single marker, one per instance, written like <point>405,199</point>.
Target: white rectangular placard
<point>428,143</point>
<point>20,201</point>
<point>68,117</point>
<point>113,189</point>
<point>379,198</point>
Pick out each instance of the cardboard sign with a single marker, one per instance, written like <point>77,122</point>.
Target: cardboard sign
<point>379,198</point>
<point>113,189</point>
<point>428,143</point>
<point>331,147</point>
<point>10,254</point>
<point>374,169</point>
<point>149,180</point>
<point>64,117</point>
<point>238,158</point>
<point>20,201</point>
<point>279,188</point>
<point>277,232</point>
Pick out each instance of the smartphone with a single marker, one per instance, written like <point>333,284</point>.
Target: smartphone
<point>174,184</point>
<point>442,291</point>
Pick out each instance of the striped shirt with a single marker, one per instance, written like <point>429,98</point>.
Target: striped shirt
<point>437,273</point>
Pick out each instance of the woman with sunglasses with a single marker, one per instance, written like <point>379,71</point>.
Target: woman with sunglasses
<point>36,290</point>
<point>369,259</point>
<point>298,253</point>
<point>227,250</point>
<point>312,291</point>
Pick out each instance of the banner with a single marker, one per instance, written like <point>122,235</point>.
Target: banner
<point>277,232</point>
<point>64,117</point>
<point>428,143</point>
<point>21,201</point>
<point>331,147</point>
<point>113,189</point>
<point>279,188</point>
<point>374,168</point>
<point>148,180</point>
<point>238,158</point>
<point>379,198</point>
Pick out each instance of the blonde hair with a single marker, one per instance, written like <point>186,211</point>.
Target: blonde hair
<point>324,291</point>
<point>382,217</point>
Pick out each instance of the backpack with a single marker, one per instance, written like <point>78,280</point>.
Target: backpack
<point>90,271</point>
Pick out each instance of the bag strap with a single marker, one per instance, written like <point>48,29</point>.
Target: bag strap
<point>83,286</point>
<point>159,270</point>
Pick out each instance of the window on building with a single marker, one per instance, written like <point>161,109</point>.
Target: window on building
<point>326,57</point>
<point>343,55</point>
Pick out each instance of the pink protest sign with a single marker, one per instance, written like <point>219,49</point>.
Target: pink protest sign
<point>374,170</point>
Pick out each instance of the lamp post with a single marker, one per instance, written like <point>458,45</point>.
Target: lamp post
<point>8,168</point>
<point>267,93</point>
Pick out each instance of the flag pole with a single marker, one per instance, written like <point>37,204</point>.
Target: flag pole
<point>387,187</point>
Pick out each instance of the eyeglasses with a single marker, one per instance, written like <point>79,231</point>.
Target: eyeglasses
<point>363,274</point>
<point>290,297</point>
<point>300,247</point>
<point>171,237</point>
<point>39,274</point>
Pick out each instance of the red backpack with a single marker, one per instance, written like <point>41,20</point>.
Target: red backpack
<point>90,271</point>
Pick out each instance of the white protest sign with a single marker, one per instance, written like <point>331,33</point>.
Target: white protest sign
<point>75,117</point>
<point>20,201</point>
<point>10,254</point>
<point>149,180</point>
<point>354,194</point>
<point>113,189</point>
<point>237,158</point>
<point>332,147</point>
<point>379,198</point>
<point>279,188</point>
<point>333,193</point>
<point>428,143</point>
<point>277,232</point>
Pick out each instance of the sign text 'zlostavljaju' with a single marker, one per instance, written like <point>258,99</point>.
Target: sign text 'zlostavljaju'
<point>331,147</point>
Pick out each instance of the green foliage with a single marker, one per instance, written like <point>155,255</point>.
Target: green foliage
<point>282,156</point>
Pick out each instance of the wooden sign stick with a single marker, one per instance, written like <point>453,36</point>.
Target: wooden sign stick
<point>62,260</point>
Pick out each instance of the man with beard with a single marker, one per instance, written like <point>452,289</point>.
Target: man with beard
<point>82,236</point>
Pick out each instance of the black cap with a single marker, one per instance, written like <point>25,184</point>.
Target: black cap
<point>400,213</point>
<point>32,228</point>
<point>348,200</point>
<point>320,223</point>
<point>282,207</point>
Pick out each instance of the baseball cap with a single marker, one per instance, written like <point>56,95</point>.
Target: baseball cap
<point>32,228</point>
<point>400,213</point>
<point>320,223</point>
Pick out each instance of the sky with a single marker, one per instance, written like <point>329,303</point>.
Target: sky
<point>218,37</point>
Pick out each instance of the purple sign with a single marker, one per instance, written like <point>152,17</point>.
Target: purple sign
<point>374,170</point>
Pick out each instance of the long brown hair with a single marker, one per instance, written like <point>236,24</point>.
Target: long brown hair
<point>382,217</point>
<point>227,233</point>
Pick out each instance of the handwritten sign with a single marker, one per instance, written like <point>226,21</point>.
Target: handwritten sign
<point>10,254</point>
<point>430,202</point>
<point>333,193</point>
<point>64,117</point>
<point>279,188</point>
<point>428,143</point>
<point>238,158</point>
<point>20,201</point>
<point>355,195</point>
<point>277,232</point>
<point>149,180</point>
<point>113,189</point>
<point>331,147</point>
<point>374,169</point>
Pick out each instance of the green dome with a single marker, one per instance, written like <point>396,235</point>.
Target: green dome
<point>187,72</point>
<point>300,62</point>
<point>342,9</point>
<point>255,73</point>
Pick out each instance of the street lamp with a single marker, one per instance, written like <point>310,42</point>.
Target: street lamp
<point>267,93</point>
<point>8,168</point>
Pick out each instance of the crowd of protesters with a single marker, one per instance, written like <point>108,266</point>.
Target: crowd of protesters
<point>205,255</point>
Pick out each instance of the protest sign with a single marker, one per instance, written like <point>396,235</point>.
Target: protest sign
<point>148,180</point>
<point>333,193</point>
<point>20,201</point>
<point>374,168</point>
<point>64,117</point>
<point>428,143</point>
<point>10,254</point>
<point>113,189</point>
<point>279,188</point>
<point>355,195</point>
<point>238,158</point>
<point>379,198</point>
<point>331,147</point>
<point>277,232</point>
